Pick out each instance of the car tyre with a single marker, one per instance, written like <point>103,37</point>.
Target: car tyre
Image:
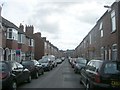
<point>36,75</point>
<point>81,82</point>
<point>75,71</point>
<point>88,86</point>
<point>29,79</point>
<point>42,72</point>
<point>14,85</point>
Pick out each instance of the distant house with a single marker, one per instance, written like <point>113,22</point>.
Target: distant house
<point>43,47</point>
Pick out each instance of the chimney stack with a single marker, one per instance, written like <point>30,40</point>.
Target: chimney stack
<point>29,30</point>
<point>21,27</point>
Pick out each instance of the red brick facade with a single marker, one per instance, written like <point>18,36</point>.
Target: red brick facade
<point>102,42</point>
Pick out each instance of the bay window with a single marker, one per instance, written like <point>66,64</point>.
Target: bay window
<point>21,38</point>
<point>12,34</point>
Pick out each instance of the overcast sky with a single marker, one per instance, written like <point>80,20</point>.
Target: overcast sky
<point>63,22</point>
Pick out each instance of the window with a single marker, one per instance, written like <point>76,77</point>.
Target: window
<point>9,34</point>
<point>90,38</point>
<point>101,26</point>
<point>114,52</point>
<point>84,44</point>
<point>1,27</point>
<point>45,45</point>
<point>101,29</point>
<point>15,34</point>
<point>21,38</point>
<point>12,34</point>
<point>102,53</point>
<point>101,33</point>
<point>113,19</point>
<point>112,68</point>
<point>19,65</point>
<point>31,42</point>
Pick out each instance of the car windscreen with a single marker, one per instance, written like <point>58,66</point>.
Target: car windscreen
<point>112,68</point>
<point>26,63</point>
<point>3,67</point>
<point>44,61</point>
<point>81,61</point>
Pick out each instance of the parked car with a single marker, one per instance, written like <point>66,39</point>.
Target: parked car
<point>35,68</point>
<point>59,61</point>
<point>46,64</point>
<point>73,60</point>
<point>12,74</point>
<point>101,74</point>
<point>62,58</point>
<point>53,60</point>
<point>79,64</point>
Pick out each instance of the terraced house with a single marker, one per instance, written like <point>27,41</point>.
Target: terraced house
<point>17,44</point>
<point>21,43</point>
<point>103,41</point>
<point>44,47</point>
<point>1,35</point>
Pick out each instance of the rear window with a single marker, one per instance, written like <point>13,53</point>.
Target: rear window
<point>81,61</point>
<point>26,63</point>
<point>112,68</point>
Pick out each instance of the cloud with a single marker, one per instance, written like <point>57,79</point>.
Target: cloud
<point>64,22</point>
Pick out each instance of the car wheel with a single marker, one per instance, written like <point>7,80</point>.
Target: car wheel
<point>36,75</point>
<point>29,79</point>
<point>81,82</point>
<point>88,86</point>
<point>14,85</point>
<point>75,70</point>
<point>42,72</point>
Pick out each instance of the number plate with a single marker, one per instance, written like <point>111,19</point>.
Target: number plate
<point>115,83</point>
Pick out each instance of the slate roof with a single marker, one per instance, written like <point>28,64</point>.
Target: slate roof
<point>9,24</point>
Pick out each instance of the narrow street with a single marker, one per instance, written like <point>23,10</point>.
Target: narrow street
<point>62,76</point>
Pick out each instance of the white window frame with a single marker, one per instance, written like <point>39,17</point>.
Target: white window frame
<point>45,45</point>
<point>113,21</point>
<point>22,38</point>
<point>19,38</point>
<point>114,47</point>
<point>101,33</point>
<point>101,26</point>
<point>90,39</point>
<point>31,42</point>
<point>14,34</point>
<point>114,50</point>
<point>102,52</point>
<point>101,29</point>
<point>9,30</point>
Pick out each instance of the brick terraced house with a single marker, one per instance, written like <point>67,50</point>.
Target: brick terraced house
<point>103,41</point>
<point>21,43</point>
